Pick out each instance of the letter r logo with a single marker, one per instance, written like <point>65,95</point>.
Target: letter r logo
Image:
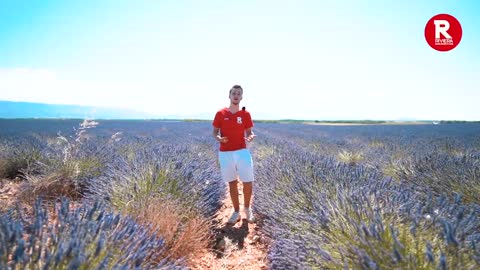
<point>441,27</point>
<point>443,32</point>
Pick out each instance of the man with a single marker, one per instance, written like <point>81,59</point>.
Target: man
<point>232,127</point>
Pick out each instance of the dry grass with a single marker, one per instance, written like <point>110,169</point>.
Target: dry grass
<point>186,234</point>
<point>3,168</point>
<point>351,158</point>
<point>11,167</point>
<point>48,187</point>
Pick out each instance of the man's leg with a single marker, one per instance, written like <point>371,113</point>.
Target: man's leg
<point>245,170</point>
<point>234,195</point>
<point>247,193</point>
<point>246,176</point>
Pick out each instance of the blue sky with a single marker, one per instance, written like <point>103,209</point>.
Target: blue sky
<point>295,59</point>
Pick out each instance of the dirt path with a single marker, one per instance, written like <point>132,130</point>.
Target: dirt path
<point>241,246</point>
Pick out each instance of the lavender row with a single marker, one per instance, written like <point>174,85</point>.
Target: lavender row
<point>88,237</point>
<point>324,213</point>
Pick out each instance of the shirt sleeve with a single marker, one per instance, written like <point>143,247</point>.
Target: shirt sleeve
<point>217,122</point>
<point>248,121</point>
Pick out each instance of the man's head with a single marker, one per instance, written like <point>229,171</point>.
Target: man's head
<point>236,94</point>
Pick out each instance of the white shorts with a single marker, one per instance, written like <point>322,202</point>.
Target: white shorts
<point>236,164</point>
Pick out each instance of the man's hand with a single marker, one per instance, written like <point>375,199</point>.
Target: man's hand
<point>250,137</point>
<point>222,139</point>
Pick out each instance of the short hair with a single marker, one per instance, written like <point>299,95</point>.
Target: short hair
<point>236,86</point>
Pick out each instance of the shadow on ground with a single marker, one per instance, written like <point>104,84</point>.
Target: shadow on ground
<point>236,234</point>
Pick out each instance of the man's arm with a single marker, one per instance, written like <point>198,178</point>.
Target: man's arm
<point>217,136</point>
<point>215,133</point>
<point>250,134</point>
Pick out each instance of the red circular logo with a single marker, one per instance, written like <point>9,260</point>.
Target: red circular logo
<point>443,32</point>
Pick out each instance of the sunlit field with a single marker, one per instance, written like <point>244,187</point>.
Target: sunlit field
<point>142,194</point>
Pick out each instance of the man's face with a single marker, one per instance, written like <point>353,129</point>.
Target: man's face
<point>236,96</point>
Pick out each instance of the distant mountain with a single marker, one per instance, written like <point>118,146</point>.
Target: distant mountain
<point>13,109</point>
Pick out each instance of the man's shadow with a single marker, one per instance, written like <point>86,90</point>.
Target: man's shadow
<point>231,233</point>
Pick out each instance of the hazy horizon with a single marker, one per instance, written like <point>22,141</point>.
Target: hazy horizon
<point>112,113</point>
<point>311,60</point>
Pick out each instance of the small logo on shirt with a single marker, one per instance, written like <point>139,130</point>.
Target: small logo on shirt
<point>226,118</point>
<point>239,120</point>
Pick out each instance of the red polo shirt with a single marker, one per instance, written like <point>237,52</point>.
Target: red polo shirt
<point>232,126</point>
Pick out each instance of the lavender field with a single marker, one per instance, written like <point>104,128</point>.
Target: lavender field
<point>327,197</point>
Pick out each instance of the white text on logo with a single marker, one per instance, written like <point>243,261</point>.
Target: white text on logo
<point>441,27</point>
